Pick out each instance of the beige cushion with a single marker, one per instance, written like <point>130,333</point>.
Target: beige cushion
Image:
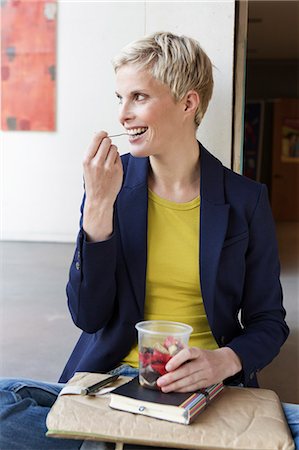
<point>240,418</point>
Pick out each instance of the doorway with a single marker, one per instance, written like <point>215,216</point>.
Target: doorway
<point>271,156</point>
<point>272,103</point>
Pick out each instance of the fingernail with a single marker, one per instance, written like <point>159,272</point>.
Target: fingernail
<point>168,367</point>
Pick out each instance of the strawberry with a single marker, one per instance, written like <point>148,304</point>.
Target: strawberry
<point>161,358</point>
<point>159,367</point>
<point>145,358</point>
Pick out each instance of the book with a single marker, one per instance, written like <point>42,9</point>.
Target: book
<point>174,406</point>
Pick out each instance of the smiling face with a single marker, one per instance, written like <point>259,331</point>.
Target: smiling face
<point>148,111</point>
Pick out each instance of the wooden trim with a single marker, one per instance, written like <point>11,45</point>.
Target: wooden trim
<point>241,21</point>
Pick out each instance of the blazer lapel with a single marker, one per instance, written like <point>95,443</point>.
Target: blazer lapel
<point>132,217</point>
<point>213,226</point>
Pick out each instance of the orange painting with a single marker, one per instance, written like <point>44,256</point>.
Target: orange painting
<point>28,64</point>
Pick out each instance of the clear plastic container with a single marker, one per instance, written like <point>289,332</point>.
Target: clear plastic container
<point>158,342</point>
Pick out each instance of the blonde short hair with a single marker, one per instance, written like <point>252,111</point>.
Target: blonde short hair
<point>177,61</point>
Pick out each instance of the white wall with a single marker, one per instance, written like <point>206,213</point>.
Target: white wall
<point>41,173</point>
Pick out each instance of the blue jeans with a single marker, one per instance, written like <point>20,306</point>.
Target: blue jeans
<point>24,405</point>
<point>291,412</point>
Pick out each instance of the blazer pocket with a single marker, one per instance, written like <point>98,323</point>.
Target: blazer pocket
<point>235,239</point>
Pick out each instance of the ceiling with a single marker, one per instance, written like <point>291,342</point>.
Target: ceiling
<point>273,29</point>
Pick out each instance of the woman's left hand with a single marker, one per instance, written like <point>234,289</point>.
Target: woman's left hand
<point>193,368</point>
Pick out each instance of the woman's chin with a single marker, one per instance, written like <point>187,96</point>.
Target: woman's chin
<point>139,151</point>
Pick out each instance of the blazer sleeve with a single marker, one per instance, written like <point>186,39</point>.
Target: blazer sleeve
<point>91,287</point>
<point>262,313</point>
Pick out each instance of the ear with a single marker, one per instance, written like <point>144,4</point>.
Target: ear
<point>191,102</point>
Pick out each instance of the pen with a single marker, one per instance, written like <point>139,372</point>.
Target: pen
<point>97,386</point>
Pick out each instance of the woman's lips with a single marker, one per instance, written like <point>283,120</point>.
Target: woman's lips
<point>137,135</point>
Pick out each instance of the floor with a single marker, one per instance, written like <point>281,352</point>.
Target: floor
<point>37,334</point>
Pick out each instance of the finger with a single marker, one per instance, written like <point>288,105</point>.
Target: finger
<point>184,371</point>
<point>201,384</point>
<point>112,154</point>
<point>103,150</point>
<point>186,384</point>
<point>182,357</point>
<point>118,159</point>
<point>94,145</point>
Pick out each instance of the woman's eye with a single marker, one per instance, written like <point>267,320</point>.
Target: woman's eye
<point>119,98</point>
<point>139,97</point>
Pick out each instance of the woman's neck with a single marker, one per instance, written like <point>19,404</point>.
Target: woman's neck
<point>175,174</point>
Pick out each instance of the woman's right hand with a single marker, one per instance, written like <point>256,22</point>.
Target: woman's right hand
<point>103,174</point>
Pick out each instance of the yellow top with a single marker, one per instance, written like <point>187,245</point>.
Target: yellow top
<point>172,279</point>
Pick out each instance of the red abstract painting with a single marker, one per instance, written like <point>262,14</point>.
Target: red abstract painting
<point>28,64</point>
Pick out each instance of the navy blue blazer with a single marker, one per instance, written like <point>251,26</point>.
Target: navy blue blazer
<point>239,272</point>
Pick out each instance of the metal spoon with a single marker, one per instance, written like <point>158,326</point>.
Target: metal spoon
<point>116,135</point>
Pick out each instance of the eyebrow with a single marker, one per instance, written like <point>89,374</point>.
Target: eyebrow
<point>136,91</point>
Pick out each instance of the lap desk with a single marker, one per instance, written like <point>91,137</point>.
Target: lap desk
<point>240,418</point>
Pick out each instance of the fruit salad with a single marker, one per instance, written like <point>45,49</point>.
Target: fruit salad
<point>152,360</point>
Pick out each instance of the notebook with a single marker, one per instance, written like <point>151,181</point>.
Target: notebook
<point>175,407</point>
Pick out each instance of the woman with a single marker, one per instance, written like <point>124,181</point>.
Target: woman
<point>167,232</point>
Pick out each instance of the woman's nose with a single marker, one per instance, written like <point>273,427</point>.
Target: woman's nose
<point>125,112</point>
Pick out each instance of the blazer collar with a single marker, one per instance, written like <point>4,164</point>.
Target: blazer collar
<point>211,177</point>
<point>136,174</point>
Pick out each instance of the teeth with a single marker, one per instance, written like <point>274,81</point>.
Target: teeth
<point>136,130</point>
